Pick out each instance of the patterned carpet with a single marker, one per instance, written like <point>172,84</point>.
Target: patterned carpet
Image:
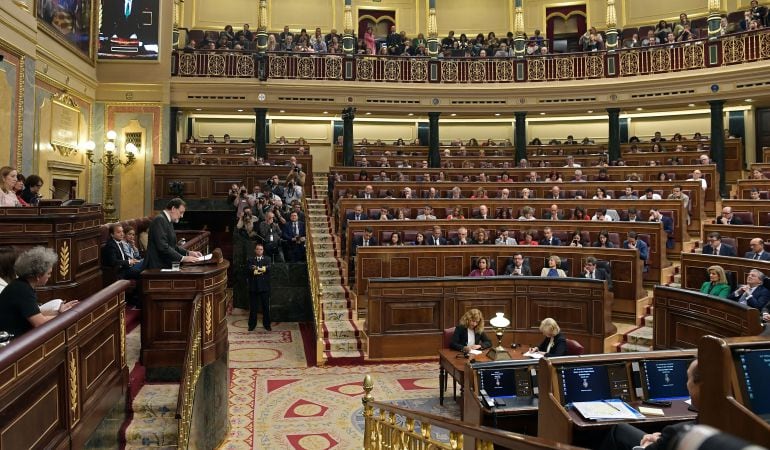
<point>279,348</point>
<point>320,408</point>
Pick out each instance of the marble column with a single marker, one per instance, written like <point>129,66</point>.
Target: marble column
<point>434,46</point>
<point>348,34</point>
<point>612,26</point>
<point>614,134</point>
<point>261,40</point>
<point>714,18</point>
<point>717,152</point>
<point>434,156</point>
<point>348,115</point>
<point>520,136</point>
<point>519,43</point>
<point>260,134</point>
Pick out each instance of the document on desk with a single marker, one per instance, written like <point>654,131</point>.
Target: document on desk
<point>474,352</point>
<point>607,410</point>
<point>534,355</point>
<point>204,258</point>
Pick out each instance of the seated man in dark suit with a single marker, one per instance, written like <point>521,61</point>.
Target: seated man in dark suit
<point>365,240</point>
<point>114,257</point>
<point>549,238</point>
<point>357,214</point>
<point>517,267</point>
<point>716,247</point>
<point>668,225</point>
<point>461,238</point>
<point>553,213</point>
<point>162,248</point>
<point>638,244</point>
<point>595,273</point>
<point>728,218</point>
<point>753,293</point>
<point>435,238</point>
<point>626,437</point>
<point>757,250</point>
<point>294,236</point>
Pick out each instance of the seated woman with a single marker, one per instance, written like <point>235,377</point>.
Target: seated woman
<point>483,270</point>
<point>579,214</point>
<point>717,284</point>
<point>419,239</point>
<point>469,333</point>
<point>19,311</point>
<point>554,344</point>
<point>504,213</point>
<point>576,240</point>
<point>7,259</point>
<point>7,187</point>
<point>604,240</point>
<point>553,268</point>
<point>527,213</point>
<point>395,240</point>
<point>601,194</point>
<point>529,238</point>
<point>131,249</point>
<point>456,214</point>
<point>480,237</point>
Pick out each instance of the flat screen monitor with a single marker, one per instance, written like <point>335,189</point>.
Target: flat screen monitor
<point>584,383</point>
<point>500,382</point>
<point>664,379</point>
<point>753,374</point>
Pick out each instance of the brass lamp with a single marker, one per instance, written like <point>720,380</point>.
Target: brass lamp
<point>111,161</point>
<point>499,323</point>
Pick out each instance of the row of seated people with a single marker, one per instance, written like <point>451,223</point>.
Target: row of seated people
<point>16,190</point>
<point>419,162</point>
<point>553,176</point>
<point>238,149</point>
<point>233,160</point>
<point>656,138</point>
<point>755,292</point>
<point>471,142</point>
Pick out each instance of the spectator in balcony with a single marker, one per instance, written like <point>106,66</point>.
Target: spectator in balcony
<point>492,43</point>
<point>754,25</point>
<point>603,240</point>
<point>684,22</point>
<point>717,283</point>
<point>757,12</point>
<point>503,51</point>
<point>685,35</point>
<point>670,39</point>
<point>361,48</point>
<point>288,44</point>
<point>448,42</point>
<point>228,33</point>
<point>394,43</point>
<point>284,34</point>
<point>592,43</point>
<point>317,42</point>
<point>650,40</point>
<point>634,42</point>
<point>419,41</point>
<point>662,30</point>
<point>245,32</point>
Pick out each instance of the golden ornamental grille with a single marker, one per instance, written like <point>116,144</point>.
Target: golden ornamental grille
<point>594,66</point>
<point>244,66</point>
<point>278,67</point>
<point>187,64</point>
<point>449,71</point>
<point>537,69</point>
<point>732,50</point>
<point>764,45</point>
<point>477,72</point>
<point>216,65</point>
<point>419,70</point>
<point>693,57</point>
<point>660,60</point>
<point>504,70</point>
<point>392,70</point>
<point>364,69</point>
<point>629,63</point>
<point>306,67</point>
<point>564,68</point>
<point>333,67</point>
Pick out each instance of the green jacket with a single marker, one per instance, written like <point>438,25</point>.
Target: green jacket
<point>718,290</point>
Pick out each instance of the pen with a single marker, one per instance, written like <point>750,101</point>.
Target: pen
<point>610,405</point>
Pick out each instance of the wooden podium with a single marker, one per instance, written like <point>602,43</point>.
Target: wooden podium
<point>166,309</point>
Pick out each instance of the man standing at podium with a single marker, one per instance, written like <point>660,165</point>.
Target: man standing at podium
<point>162,248</point>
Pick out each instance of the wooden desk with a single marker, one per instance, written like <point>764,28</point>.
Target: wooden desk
<point>167,305</point>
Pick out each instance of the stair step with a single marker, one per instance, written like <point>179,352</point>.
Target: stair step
<point>648,321</point>
<point>151,432</point>
<point>342,345</point>
<point>641,336</point>
<point>628,347</point>
<point>156,401</point>
<point>342,355</point>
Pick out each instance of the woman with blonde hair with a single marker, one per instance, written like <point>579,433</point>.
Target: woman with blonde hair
<point>469,333</point>
<point>554,344</point>
<point>717,284</point>
<point>7,184</point>
<point>553,269</point>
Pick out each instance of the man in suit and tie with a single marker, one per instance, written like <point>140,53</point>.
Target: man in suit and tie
<point>483,213</point>
<point>631,216</point>
<point>668,225</point>
<point>504,239</point>
<point>595,273</point>
<point>555,193</point>
<point>435,238</point>
<point>259,287</point>
<point>633,242</point>
<point>427,214</point>
<point>553,213</point>
<point>125,18</point>
<point>757,250</point>
<point>432,193</point>
<point>462,237</point>
<point>549,238</point>
<point>294,236</point>
<point>365,240</point>
<point>517,267</point>
<point>114,257</point>
<point>357,214</point>
<point>368,192</point>
<point>162,248</point>
<point>753,293</point>
<point>716,247</point>
<point>728,218</point>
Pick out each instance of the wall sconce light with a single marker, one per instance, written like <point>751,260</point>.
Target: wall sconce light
<point>111,162</point>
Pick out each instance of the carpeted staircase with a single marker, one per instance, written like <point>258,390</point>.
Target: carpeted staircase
<point>153,425</point>
<point>639,339</point>
<point>341,335</point>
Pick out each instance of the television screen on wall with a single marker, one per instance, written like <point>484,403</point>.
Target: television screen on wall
<point>129,29</point>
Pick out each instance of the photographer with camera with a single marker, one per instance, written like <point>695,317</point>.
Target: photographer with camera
<point>241,200</point>
<point>248,223</point>
<point>296,174</point>
<point>293,192</point>
<point>273,186</point>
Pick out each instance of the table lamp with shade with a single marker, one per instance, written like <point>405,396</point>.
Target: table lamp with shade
<point>499,323</point>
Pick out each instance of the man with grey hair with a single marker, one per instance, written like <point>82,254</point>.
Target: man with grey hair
<point>757,250</point>
<point>728,218</point>
<point>427,214</point>
<point>753,293</point>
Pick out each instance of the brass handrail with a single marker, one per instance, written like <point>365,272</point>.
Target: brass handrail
<point>383,431</point>
<point>315,286</point>
<point>191,369</point>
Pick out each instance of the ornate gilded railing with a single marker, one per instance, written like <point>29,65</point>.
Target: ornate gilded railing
<point>391,427</point>
<point>190,372</point>
<point>740,48</point>
<point>315,287</point>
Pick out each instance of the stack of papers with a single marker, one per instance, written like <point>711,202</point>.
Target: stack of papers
<point>607,410</point>
<point>534,355</point>
<point>204,257</point>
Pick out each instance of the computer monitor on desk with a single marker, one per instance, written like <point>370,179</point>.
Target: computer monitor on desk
<point>664,379</point>
<point>513,384</point>
<point>753,367</point>
<point>586,383</point>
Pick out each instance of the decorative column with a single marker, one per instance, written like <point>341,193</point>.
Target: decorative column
<point>520,136</point>
<point>434,156</point>
<point>614,144</point>
<point>262,26</point>
<point>519,43</point>
<point>433,43</point>
<point>260,135</point>
<point>173,135</point>
<point>612,26</point>
<point>348,35</point>
<point>348,115</point>
<point>717,152</point>
<point>714,18</point>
